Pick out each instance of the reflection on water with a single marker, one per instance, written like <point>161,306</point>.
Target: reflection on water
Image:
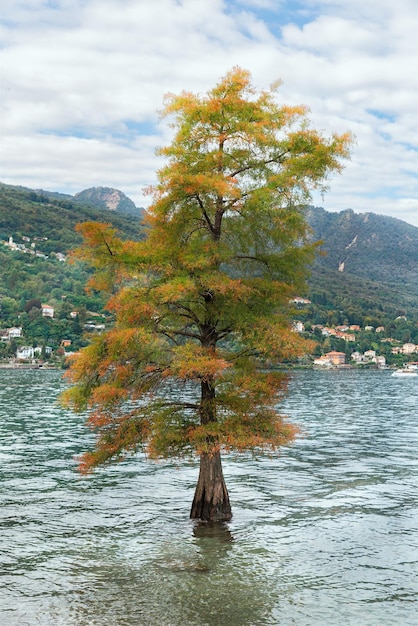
<point>324,534</point>
<point>217,532</point>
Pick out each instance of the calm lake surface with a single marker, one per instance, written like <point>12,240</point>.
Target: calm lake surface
<point>326,533</point>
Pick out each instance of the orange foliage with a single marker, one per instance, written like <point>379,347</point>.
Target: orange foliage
<point>205,296</point>
<point>191,361</point>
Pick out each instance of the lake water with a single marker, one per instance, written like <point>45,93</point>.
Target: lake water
<point>324,534</point>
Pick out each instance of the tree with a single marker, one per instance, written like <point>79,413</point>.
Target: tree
<point>33,303</point>
<point>8,308</point>
<point>203,301</point>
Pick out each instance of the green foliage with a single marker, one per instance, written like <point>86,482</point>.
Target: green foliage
<point>52,220</point>
<point>372,247</point>
<point>204,299</point>
<point>50,223</point>
<point>343,298</point>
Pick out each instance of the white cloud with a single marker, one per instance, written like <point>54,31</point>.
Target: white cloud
<point>334,36</point>
<point>83,81</point>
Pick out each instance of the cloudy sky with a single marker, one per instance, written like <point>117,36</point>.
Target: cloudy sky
<point>83,80</point>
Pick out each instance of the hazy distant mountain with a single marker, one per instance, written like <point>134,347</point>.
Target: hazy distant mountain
<point>108,198</point>
<point>374,247</point>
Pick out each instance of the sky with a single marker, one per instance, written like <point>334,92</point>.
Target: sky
<point>83,81</point>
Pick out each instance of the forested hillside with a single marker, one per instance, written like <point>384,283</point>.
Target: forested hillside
<point>25,212</point>
<point>346,298</point>
<point>367,274</point>
<point>35,268</point>
<point>374,247</point>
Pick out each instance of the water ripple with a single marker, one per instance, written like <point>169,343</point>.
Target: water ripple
<point>326,533</point>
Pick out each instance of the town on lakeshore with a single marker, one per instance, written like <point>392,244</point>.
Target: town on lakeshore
<point>20,351</point>
<point>37,333</point>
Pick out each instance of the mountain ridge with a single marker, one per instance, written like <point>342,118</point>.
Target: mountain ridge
<point>367,245</point>
<point>368,261</point>
<point>26,212</point>
<point>108,198</point>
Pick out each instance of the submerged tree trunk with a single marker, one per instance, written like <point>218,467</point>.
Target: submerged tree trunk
<point>211,500</point>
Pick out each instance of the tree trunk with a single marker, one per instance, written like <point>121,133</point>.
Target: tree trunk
<point>211,500</point>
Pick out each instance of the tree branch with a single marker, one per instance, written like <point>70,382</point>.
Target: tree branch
<point>205,215</point>
<point>182,333</point>
<point>251,166</point>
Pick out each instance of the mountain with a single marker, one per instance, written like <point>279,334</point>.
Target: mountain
<point>52,217</point>
<point>108,198</point>
<point>38,228</point>
<point>367,271</point>
<point>374,247</point>
<point>104,198</point>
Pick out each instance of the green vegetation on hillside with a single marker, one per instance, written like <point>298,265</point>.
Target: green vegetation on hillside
<point>44,226</point>
<point>24,212</point>
<point>340,298</point>
<point>373,247</point>
<point>378,285</point>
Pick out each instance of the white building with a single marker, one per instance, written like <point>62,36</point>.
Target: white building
<point>357,357</point>
<point>370,356</point>
<point>47,310</point>
<point>28,352</point>
<point>11,333</point>
<point>15,331</point>
<point>298,326</point>
<point>381,361</point>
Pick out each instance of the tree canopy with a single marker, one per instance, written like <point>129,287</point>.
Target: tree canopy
<point>202,303</point>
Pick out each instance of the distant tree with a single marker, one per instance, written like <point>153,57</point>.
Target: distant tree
<point>8,308</point>
<point>337,344</point>
<point>64,310</point>
<point>406,336</point>
<point>12,347</point>
<point>204,299</point>
<point>33,303</point>
<point>35,313</point>
<point>36,327</point>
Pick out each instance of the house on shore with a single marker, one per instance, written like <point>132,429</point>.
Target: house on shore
<point>331,359</point>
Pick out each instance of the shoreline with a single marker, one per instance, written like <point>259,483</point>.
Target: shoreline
<point>28,366</point>
<point>41,366</point>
